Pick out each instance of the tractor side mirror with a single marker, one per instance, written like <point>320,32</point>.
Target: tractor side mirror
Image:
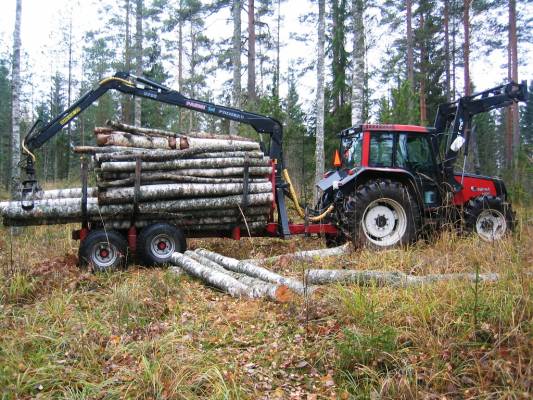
<point>457,144</point>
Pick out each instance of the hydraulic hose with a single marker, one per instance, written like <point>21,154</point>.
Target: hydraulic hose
<point>294,199</point>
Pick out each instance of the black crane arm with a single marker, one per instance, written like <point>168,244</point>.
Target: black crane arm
<point>458,114</point>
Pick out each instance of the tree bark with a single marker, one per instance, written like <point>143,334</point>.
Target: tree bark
<point>159,177</point>
<point>236,59</point>
<point>258,288</point>
<point>212,277</point>
<point>446,22</point>
<point>138,56</point>
<point>126,103</point>
<point>358,75</point>
<point>308,255</point>
<point>466,46</point>
<point>319,150</point>
<point>385,278</point>
<point>513,49</point>
<point>207,172</point>
<point>178,191</point>
<point>15,105</point>
<point>410,57</point>
<point>194,153</point>
<point>251,53</point>
<point>254,271</point>
<point>126,166</point>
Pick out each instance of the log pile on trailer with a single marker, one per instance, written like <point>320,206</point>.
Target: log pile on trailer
<point>199,182</point>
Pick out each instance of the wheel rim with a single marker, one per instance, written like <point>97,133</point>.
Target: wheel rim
<point>384,222</point>
<point>491,225</point>
<point>162,246</point>
<point>104,255</point>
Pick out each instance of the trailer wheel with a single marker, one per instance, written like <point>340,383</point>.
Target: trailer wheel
<point>103,250</point>
<point>489,217</point>
<point>157,242</point>
<point>381,214</point>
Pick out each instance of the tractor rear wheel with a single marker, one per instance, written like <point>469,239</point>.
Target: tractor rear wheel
<point>157,242</point>
<point>489,217</point>
<point>381,214</point>
<point>103,250</point>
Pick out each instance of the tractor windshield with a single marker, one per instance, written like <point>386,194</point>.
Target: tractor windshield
<point>351,150</point>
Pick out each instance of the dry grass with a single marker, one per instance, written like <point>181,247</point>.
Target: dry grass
<point>145,333</point>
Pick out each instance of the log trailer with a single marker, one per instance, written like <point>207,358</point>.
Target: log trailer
<point>389,181</point>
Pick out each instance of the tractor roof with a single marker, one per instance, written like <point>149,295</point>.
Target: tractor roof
<point>384,127</point>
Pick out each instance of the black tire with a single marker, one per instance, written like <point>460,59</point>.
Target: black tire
<point>489,217</point>
<point>103,250</point>
<point>157,242</point>
<point>381,214</point>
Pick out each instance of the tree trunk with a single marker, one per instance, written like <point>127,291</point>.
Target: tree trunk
<point>254,271</point>
<point>180,58</point>
<point>447,48</point>
<point>308,255</point>
<point>423,79</point>
<point>158,177</point>
<point>466,47</point>
<point>358,76</point>
<point>513,49</point>
<point>138,56</point>
<point>206,172</point>
<point>66,170</point>
<point>410,57</point>
<point>258,288</point>
<point>174,155</point>
<point>278,46</point>
<point>319,151</point>
<point>126,104</point>
<point>251,53</point>
<point>236,58</point>
<point>15,105</point>
<point>385,278</point>
<point>178,191</point>
<point>210,276</point>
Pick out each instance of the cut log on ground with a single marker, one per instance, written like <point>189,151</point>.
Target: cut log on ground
<point>307,255</point>
<point>255,271</point>
<point>259,288</point>
<point>385,278</point>
<point>214,278</point>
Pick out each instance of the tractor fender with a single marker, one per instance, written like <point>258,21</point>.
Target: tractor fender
<point>363,175</point>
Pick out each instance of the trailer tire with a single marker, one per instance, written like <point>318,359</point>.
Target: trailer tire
<point>489,217</point>
<point>103,251</point>
<point>157,242</point>
<point>381,214</point>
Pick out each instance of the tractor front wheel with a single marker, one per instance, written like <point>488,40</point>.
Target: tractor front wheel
<point>381,214</point>
<point>489,217</point>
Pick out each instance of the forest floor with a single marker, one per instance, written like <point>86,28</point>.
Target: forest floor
<point>146,333</point>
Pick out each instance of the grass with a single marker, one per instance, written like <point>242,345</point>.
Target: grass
<point>148,334</point>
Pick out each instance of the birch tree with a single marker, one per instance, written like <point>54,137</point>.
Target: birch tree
<point>236,58</point>
<point>319,151</point>
<point>514,128</point>
<point>251,53</point>
<point>15,103</point>
<point>358,61</point>
<point>138,56</point>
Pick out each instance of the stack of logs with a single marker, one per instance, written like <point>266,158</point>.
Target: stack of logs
<point>199,181</point>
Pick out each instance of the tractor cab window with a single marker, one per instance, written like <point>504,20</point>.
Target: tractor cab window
<point>414,153</point>
<point>381,149</point>
<point>351,151</point>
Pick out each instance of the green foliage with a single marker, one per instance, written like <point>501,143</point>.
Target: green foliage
<point>401,107</point>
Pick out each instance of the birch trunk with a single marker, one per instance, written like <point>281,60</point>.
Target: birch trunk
<point>72,193</point>
<point>165,155</point>
<point>128,166</point>
<point>71,208</point>
<point>319,151</point>
<point>358,75</point>
<point>138,56</point>
<point>251,53</point>
<point>254,271</point>
<point>385,278</point>
<point>162,177</point>
<point>15,105</point>
<point>107,149</point>
<point>308,255</point>
<point>236,61</point>
<point>207,172</point>
<point>258,288</point>
<point>178,191</point>
<point>214,278</point>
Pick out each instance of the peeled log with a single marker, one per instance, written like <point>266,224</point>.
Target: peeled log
<point>258,288</point>
<point>214,278</point>
<point>128,166</point>
<point>254,271</point>
<point>178,191</point>
<point>384,278</point>
<point>71,208</point>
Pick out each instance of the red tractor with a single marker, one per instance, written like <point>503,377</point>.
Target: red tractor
<point>392,181</point>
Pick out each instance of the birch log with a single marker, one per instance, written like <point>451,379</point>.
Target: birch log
<point>178,191</point>
<point>214,278</point>
<point>165,155</point>
<point>66,193</point>
<point>254,271</point>
<point>128,166</point>
<point>385,278</point>
<point>163,177</point>
<point>308,255</point>
<point>258,287</point>
<point>71,208</point>
<point>206,172</point>
<point>107,149</point>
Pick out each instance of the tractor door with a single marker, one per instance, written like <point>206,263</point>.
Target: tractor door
<point>414,153</point>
